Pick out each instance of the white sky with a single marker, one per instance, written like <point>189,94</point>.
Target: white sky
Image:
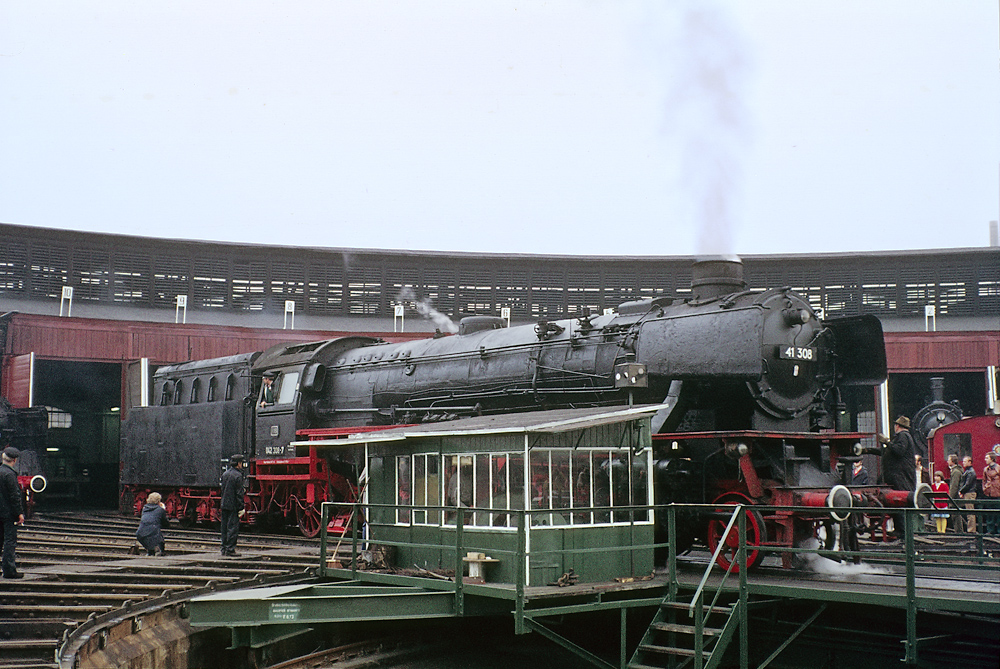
<point>566,126</point>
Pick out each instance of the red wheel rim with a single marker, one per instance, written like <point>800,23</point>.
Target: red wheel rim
<point>756,536</point>
<point>308,521</point>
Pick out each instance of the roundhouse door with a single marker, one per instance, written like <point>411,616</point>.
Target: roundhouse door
<point>137,386</point>
<point>19,380</point>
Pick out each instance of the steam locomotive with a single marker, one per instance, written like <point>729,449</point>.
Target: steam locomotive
<point>25,430</point>
<point>759,399</point>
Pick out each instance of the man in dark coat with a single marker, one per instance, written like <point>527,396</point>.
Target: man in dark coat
<point>898,457</point>
<point>232,505</point>
<point>954,483</point>
<point>968,489</point>
<point>11,511</point>
<point>859,475</point>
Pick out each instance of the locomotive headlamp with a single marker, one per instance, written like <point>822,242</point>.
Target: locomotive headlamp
<point>38,483</point>
<point>858,448</point>
<point>736,449</point>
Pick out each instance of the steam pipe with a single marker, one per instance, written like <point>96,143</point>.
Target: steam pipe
<point>838,496</point>
<point>907,498</point>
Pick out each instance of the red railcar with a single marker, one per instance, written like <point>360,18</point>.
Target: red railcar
<point>974,436</point>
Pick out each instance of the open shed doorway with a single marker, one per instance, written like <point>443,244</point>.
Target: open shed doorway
<point>81,458</point>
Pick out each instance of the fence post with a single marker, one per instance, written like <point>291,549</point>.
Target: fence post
<point>354,542</point>
<point>911,590</point>
<point>521,564</point>
<point>324,513</point>
<point>459,565</point>
<point>744,593</point>
<point>672,551</point>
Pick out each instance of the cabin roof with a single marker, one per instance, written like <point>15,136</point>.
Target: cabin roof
<point>529,422</point>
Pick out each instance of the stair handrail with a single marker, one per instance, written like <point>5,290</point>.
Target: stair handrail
<point>708,569</point>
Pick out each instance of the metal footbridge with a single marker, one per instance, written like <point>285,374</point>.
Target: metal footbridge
<point>688,613</point>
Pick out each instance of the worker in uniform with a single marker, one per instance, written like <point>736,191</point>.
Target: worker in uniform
<point>267,390</point>
<point>11,511</point>
<point>859,475</point>
<point>232,505</point>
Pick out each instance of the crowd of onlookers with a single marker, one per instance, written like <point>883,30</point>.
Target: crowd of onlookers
<point>963,484</point>
<point>965,488</point>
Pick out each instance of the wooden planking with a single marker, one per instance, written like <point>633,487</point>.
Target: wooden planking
<point>95,340</point>
<point>942,351</point>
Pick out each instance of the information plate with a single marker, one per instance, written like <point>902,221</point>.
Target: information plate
<point>796,353</point>
<point>285,611</point>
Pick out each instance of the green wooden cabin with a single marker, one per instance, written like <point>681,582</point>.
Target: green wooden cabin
<point>582,472</point>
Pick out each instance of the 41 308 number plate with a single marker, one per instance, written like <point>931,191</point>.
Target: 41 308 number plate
<point>797,353</point>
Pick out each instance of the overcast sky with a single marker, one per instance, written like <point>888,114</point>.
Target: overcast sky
<point>566,126</point>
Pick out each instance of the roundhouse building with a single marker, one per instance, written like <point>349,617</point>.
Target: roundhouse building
<point>84,315</point>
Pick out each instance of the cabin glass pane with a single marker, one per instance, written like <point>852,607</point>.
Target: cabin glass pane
<point>287,383</point>
<point>403,487</point>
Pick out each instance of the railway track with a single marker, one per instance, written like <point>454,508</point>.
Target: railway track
<point>82,568</point>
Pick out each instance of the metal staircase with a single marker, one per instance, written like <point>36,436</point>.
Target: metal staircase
<point>668,643</point>
<point>701,641</point>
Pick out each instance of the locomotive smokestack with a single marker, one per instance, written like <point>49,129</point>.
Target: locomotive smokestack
<point>715,276</point>
<point>937,388</point>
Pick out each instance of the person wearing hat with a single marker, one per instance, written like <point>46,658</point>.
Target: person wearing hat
<point>11,511</point>
<point>232,505</point>
<point>898,457</point>
<point>267,390</point>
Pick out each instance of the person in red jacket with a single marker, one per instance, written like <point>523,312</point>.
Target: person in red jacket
<point>940,519</point>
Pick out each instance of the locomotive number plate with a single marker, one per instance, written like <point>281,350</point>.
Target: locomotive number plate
<point>796,353</point>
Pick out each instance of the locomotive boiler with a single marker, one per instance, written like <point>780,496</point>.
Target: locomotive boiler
<point>758,394</point>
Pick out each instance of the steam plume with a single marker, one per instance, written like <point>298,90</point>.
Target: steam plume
<point>706,112</point>
<point>427,310</point>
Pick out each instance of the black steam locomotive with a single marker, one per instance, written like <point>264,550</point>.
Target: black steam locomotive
<point>758,395</point>
<point>25,430</point>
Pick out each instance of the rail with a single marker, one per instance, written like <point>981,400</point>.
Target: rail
<point>697,607</point>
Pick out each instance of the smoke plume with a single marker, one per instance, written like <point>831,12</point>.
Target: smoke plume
<point>424,307</point>
<point>707,115</point>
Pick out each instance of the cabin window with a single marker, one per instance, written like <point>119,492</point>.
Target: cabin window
<point>213,389</point>
<point>59,418</point>
<point>230,387</point>
<point>572,487</point>
<point>288,385</point>
<point>959,443</point>
<point>403,487</point>
<point>179,392</point>
<point>196,391</point>
<point>426,489</point>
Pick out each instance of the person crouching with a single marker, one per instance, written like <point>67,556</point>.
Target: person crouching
<point>154,518</point>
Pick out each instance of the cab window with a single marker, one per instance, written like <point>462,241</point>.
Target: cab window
<point>287,384</point>
<point>284,388</point>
